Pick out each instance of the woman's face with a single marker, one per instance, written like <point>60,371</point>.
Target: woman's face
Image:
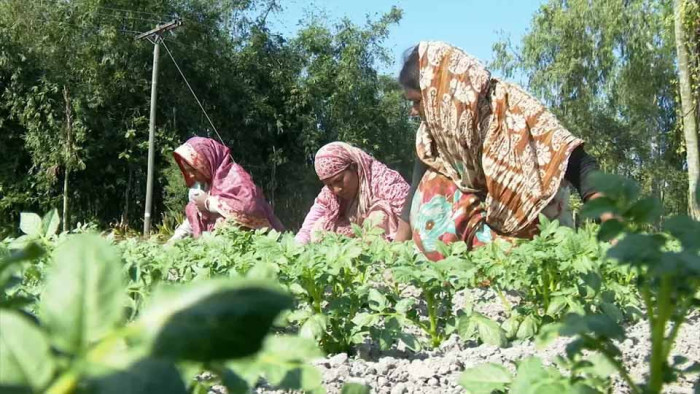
<point>344,184</point>
<point>192,175</point>
<point>416,100</point>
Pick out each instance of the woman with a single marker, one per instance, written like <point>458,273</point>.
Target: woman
<point>491,158</point>
<point>220,190</point>
<point>357,188</point>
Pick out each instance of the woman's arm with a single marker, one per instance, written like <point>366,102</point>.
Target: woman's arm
<point>404,231</point>
<point>316,212</point>
<point>184,230</point>
<point>579,170</point>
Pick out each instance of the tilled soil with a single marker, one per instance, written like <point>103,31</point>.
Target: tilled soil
<point>438,370</point>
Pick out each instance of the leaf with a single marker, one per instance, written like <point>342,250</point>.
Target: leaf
<point>615,187</point>
<point>405,305</point>
<point>533,378</point>
<point>528,328</point>
<point>548,333</point>
<point>646,210</point>
<point>410,340</point>
<point>211,320</point>
<point>84,295</point>
<point>31,251</point>
<point>143,377</point>
<point>595,208</point>
<point>489,331</point>
<point>510,326</point>
<point>485,378</point>
<point>600,366</point>
<point>30,224</point>
<point>364,319</point>
<point>355,388</point>
<point>466,327</point>
<point>292,348</point>
<point>25,356</point>
<point>610,229</point>
<point>315,327</point>
<point>612,311</point>
<point>638,249</point>
<point>50,223</point>
<point>377,300</point>
<point>556,306</point>
<point>600,325</point>
<point>305,377</point>
<point>686,230</point>
<point>284,362</point>
<point>234,383</point>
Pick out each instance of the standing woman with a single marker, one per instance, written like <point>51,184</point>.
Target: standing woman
<point>221,191</point>
<point>490,157</point>
<point>357,188</point>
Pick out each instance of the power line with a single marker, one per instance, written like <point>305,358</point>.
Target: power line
<point>192,91</point>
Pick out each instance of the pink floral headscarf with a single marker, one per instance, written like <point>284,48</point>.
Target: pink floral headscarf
<point>232,192</point>
<point>381,192</point>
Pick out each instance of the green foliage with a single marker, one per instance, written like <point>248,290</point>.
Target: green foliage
<point>607,70</point>
<point>668,278</point>
<point>83,338</point>
<point>274,100</point>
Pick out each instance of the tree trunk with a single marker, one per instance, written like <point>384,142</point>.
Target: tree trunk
<point>688,118</point>
<point>67,153</point>
<point>127,197</point>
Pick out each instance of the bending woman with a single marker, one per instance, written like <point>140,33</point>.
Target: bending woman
<point>357,188</point>
<point>220,190</point>
<point>491,158</point>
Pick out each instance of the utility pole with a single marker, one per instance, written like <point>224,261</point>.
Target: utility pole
<point>155,37</point>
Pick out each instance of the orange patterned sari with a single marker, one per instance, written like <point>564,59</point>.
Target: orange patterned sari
<point>491,139</point>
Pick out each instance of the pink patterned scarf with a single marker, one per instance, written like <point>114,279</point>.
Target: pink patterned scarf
<point>381,191</point>
<point>232,193</point>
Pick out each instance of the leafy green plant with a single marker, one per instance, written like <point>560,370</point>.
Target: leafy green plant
<point>558,272</point>
<point>84,343</point>
<point>438,284</point>
<point>667,268</point>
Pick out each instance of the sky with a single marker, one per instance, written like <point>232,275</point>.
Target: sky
<point>473,25</point>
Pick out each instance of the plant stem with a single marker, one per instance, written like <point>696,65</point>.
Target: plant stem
<point>432,315</point>
<point>504,300</point>
<point>663,310</point>
<point>621,369</point>
<point>65,384</point>
<point>677,323</point>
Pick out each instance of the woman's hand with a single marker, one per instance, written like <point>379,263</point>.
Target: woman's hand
<point>200,202</point>
<point>403,233</point>
<point>605,216</point>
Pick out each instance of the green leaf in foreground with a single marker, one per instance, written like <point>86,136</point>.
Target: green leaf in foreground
<point>30,223</point>
<point>355,388</point>
<point>50,223</point>
<point>489,331</point>
<point>485,378</point>
<point>534,378</point>
<point>84,294</point>
<point>284,362</point>
<point>212,320</point>
<point>147,376</point>
<point>25,357</point>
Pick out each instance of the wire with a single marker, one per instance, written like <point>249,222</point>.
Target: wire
<point>192,91</point>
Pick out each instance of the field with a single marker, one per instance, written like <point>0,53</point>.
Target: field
<point>239,311</point>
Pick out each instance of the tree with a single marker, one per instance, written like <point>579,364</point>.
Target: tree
<point>689,109</point>
<point>606,68</point>
<point>273,99</point>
